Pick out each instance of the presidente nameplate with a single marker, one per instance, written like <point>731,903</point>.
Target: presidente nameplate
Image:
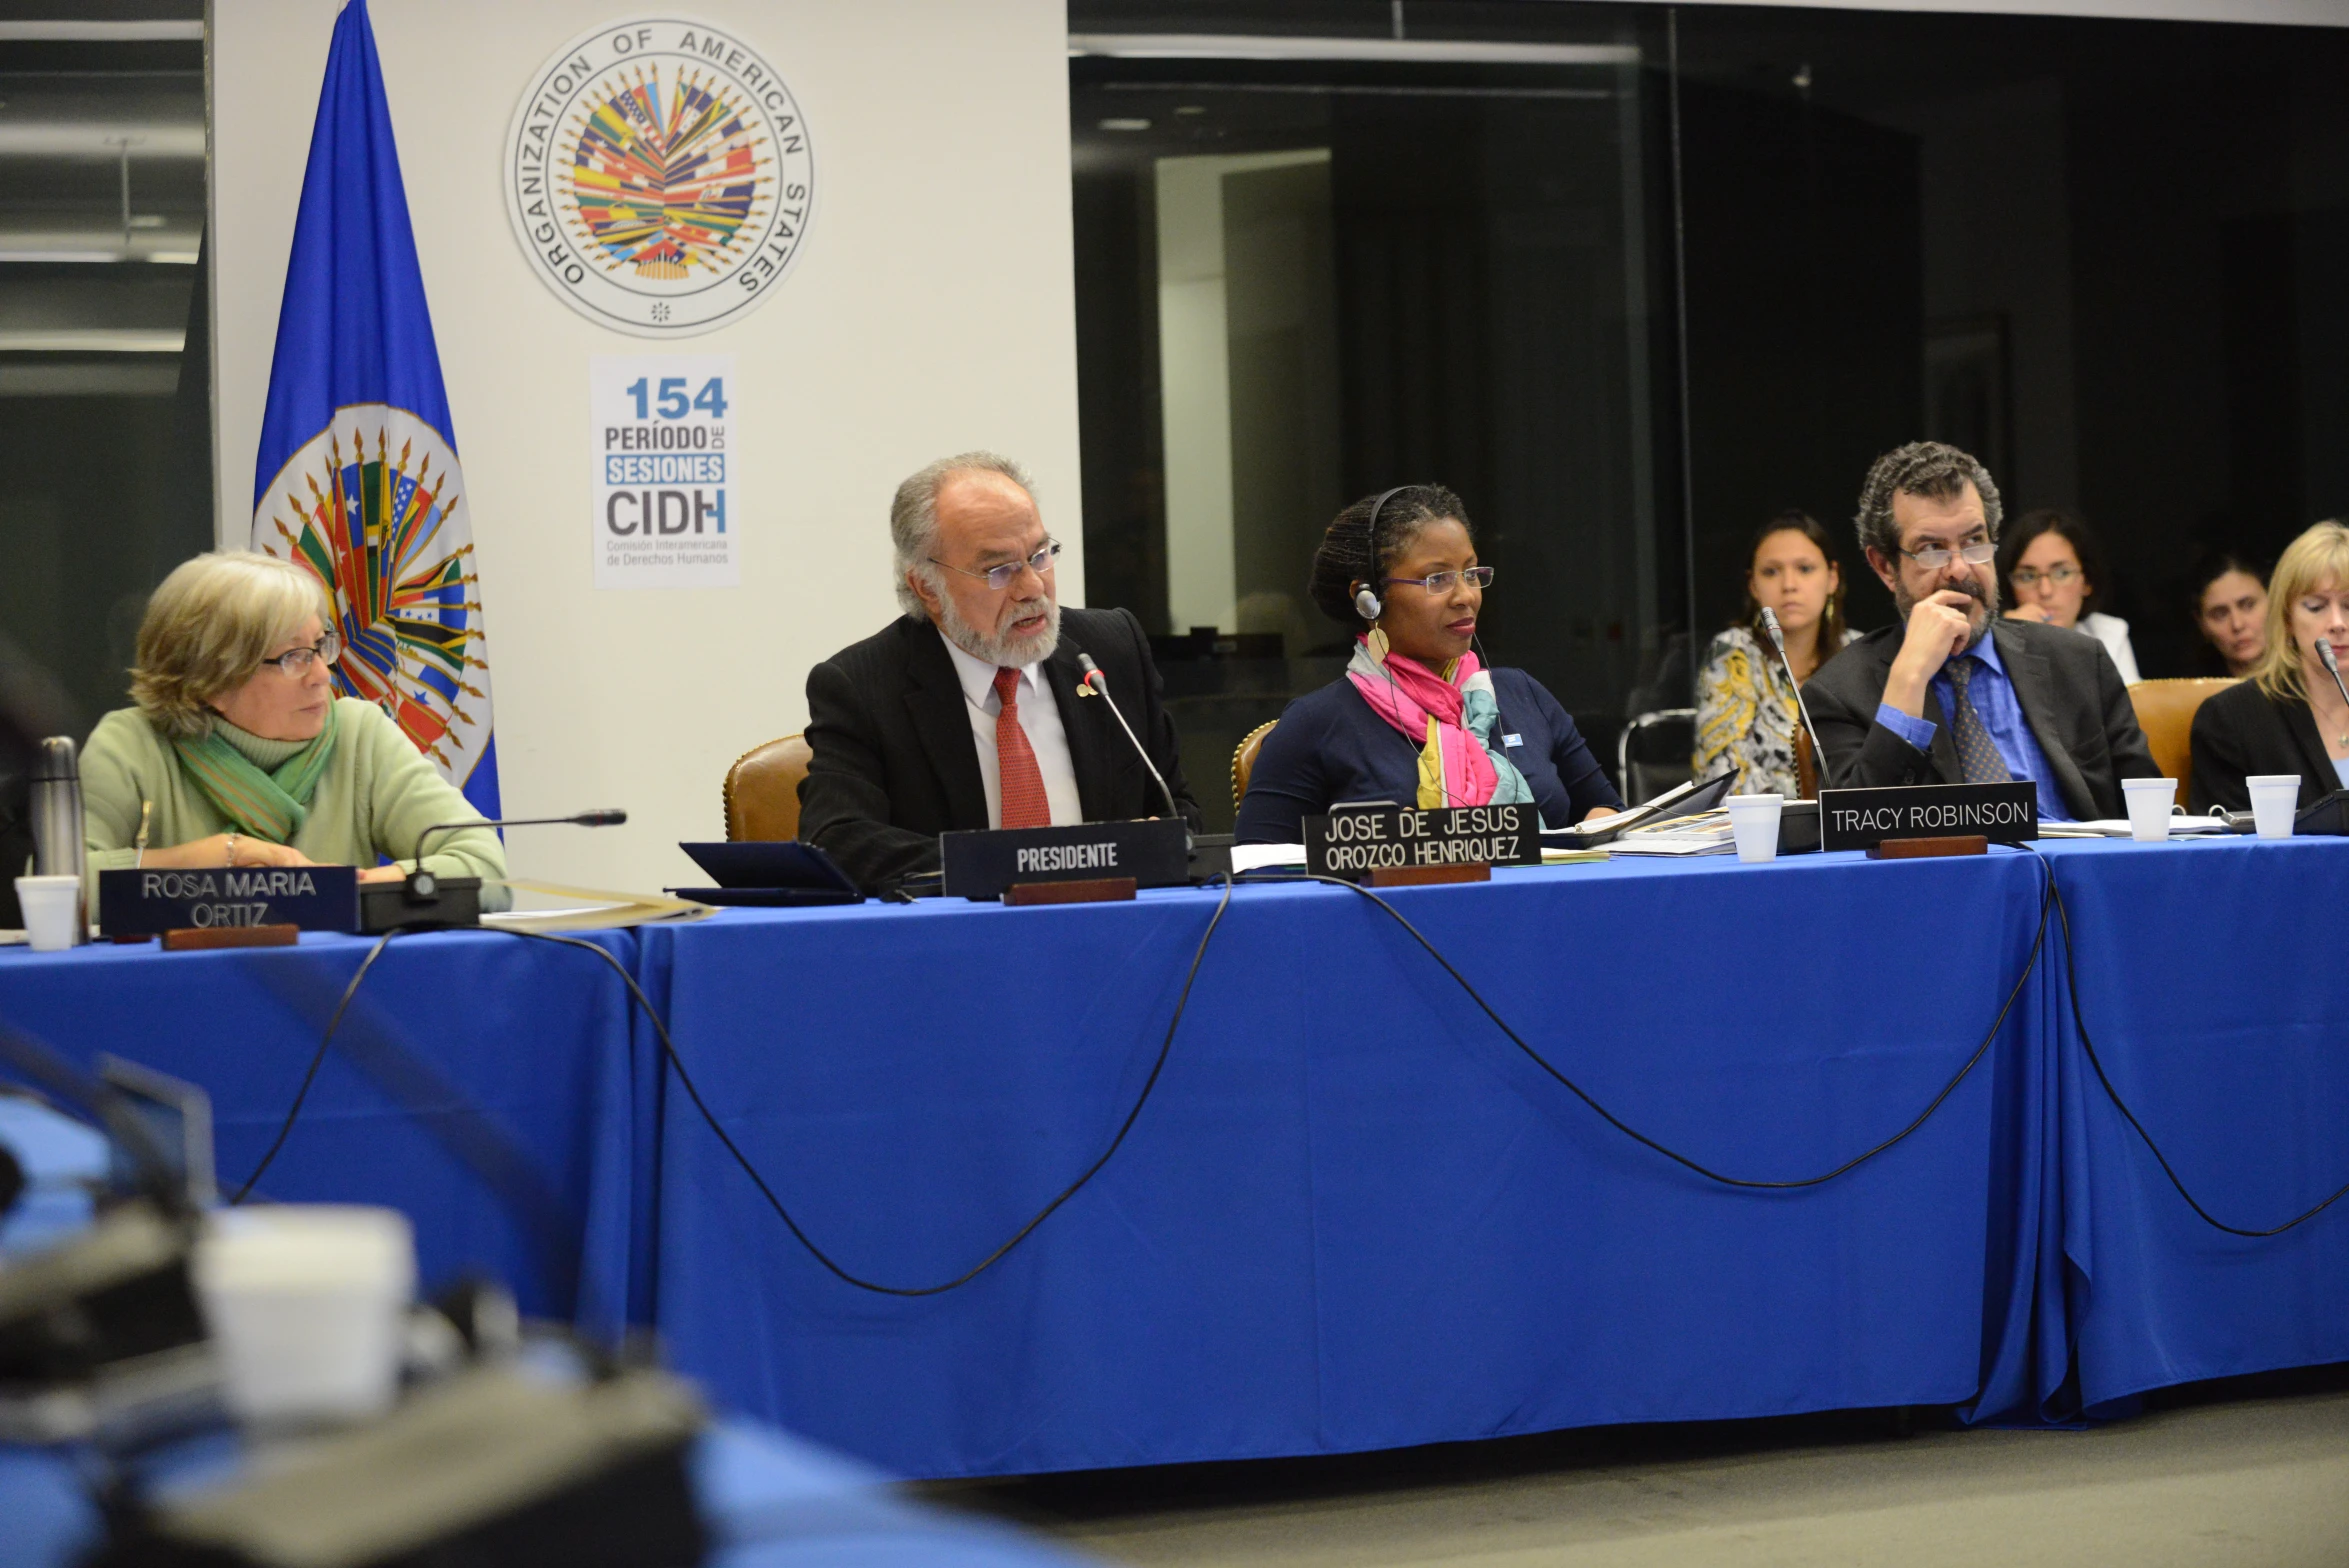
<point>981,864</point>
<point>1865,818</point>
<point>149,902</point>
<point>1357,840</point>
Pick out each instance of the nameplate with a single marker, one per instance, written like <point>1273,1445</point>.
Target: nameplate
<point>149,902</point>
<point>1864,818</point>
<point>982,864</point>
<point>1362,839</point>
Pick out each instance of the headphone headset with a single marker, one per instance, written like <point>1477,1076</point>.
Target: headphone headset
<point>1366,600</point>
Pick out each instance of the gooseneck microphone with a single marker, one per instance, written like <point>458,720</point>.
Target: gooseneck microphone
<point>1777,641</point>
<point>1096,684</point>
<point>2324,651</point>
<point>422,884</point>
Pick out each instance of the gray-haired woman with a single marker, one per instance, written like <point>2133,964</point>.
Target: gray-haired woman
<point>238,752</point>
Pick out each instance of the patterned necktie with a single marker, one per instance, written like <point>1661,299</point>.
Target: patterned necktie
<point>1025,804</point>
<point>1977,756</point>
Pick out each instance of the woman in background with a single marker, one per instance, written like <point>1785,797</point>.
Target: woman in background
<point>1746,716</point>
<point>1416,719</point>
<point>2230,611</point>
<point>2052,564</point>
<point>2288,717</point>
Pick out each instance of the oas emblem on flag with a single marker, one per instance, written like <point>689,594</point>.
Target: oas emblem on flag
<point>660,176</point>
<point>374,507</point>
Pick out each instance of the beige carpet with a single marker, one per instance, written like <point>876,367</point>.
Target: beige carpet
<point>2247,1475</point>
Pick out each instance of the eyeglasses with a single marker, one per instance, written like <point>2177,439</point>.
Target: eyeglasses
<point>1441,582</point>
<point>1001,577</point>
<point>2028,576</point>
<point>296,661</point>
<point>1936,556</point>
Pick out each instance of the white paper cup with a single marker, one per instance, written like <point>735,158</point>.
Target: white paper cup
<point>53,918</point>
<point>1753,819</point>
<point>2149,808</point>
<point>307,1306</point>
<point>2275,799</point>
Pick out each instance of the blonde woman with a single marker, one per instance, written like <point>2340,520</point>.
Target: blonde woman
<point>2289,716</point>
<point>238,753</point>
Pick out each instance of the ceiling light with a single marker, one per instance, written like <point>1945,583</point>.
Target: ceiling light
<point>1125,125</point>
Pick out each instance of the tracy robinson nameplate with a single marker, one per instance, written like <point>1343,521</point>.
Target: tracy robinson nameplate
<point>1864,818</point>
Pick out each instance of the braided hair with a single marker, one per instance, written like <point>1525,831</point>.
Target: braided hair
<point>1350,554</point>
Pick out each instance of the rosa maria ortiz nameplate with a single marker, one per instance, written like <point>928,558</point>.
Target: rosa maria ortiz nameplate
<point>149,902</point>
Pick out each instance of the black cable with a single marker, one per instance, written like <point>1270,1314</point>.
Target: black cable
<point>317,1060</point>
<point>1633,1133</point>
<point>677,1064</point>
<point>2088,1048</point>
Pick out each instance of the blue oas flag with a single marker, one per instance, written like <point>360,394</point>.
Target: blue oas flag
<point>357,477</point>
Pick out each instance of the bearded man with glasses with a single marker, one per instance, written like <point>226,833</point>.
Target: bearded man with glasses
<point>1954,694</point>
<point>964,712</point>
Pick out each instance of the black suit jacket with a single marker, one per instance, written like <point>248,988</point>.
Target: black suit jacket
<point>895,764</point>
<point>2242,731</point>
<point>2072,697</point>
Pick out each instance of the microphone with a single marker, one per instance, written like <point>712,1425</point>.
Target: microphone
<point>422,884</point>
<point>2324,651</point>
<point>1097,684</point>
<point>1818,753</point>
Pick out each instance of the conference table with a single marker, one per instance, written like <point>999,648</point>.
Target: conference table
<point>1353,1211</point>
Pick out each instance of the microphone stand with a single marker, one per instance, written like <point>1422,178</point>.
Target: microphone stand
<point>1096,684</point>
<point>422,884</point>
<point>1818,753</point>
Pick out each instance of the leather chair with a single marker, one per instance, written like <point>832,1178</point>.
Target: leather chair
<point>2165,712</point>
<point>762,790</point>
<point>1244,759</point>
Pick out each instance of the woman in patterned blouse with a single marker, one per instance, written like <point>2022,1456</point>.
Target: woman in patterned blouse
<point>1746,717</point>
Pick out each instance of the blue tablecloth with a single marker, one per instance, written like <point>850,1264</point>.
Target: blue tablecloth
<point>1354,1215</point>
<point>533,1035</point>
<point>2214,987</point>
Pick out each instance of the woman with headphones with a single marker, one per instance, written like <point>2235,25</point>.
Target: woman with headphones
<point>1417,719</point>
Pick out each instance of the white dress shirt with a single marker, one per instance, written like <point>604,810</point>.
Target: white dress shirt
<point>1039,716</point>
<point>2113,632</point>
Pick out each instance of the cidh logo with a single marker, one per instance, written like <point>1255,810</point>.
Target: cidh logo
<point>660,176</point>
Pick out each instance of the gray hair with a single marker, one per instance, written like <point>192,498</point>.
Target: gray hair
<point>209,626</point>
<point>913,516</point>
<point>1932,469</point>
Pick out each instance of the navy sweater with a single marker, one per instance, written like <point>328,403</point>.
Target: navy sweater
<point>1331,746</point>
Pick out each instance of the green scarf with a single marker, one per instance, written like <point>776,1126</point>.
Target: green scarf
<point>271,805</point>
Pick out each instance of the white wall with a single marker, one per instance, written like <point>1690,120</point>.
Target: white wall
<point>931,310</point>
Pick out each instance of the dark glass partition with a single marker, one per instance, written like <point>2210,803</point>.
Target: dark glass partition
<point>1634,278</point>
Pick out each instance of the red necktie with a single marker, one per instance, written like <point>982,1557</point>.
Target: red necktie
<point>1024,803</point>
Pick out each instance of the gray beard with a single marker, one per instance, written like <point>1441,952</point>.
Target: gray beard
<point>1903,601</point>
<point>997,648</point>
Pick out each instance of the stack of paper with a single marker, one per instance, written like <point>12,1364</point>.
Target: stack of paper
<point>1707,833</point>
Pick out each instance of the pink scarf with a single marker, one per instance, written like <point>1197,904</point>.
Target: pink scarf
<point>1428,709</point>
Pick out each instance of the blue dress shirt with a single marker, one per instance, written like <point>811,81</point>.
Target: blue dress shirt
<point>2002,715</point>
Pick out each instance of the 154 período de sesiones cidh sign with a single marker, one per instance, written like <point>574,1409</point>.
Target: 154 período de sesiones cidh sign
<point>1354,841</point>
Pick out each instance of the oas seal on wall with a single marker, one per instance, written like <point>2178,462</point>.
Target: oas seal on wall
<point>660,176</point>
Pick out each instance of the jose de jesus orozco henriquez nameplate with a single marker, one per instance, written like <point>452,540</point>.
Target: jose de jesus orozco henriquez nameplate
<point>1864,818</point>
<point>1353,842</point>
<point>150,901</point>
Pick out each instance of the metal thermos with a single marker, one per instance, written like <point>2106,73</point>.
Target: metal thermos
<point>59,848</point>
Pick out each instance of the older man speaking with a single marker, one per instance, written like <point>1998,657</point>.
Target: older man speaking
<point>963,712</point>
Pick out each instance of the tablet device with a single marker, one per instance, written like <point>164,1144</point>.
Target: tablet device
<point>2328,818</point>
<point>768,872</point>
